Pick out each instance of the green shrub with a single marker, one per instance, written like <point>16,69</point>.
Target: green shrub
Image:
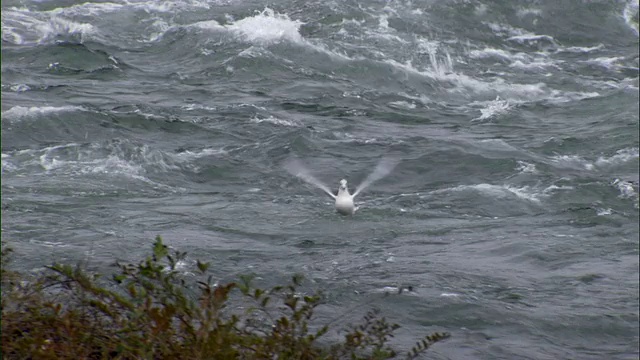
<point>149,311</point>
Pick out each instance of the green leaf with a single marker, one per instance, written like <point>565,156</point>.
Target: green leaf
<point>297,279</point>
<point>159,249</point>
<point>257,293</point>
<point>245,284</point>
<point>322,331</point>
<point>291,302</point>
<point>202,266</point>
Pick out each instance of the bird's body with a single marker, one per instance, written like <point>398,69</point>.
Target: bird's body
<point>344,200</point>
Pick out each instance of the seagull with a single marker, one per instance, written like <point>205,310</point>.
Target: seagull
<point>344,201</point>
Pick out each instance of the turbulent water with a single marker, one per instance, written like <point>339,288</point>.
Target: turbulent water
<point>512,212</point>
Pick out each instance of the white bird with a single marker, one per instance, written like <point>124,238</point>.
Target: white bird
<point>344,200</point>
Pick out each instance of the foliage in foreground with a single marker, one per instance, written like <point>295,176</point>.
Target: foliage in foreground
<point>149,311</point>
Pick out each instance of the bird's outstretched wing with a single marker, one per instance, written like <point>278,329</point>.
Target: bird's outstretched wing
<point>384,167</point>
<point>295,167</point>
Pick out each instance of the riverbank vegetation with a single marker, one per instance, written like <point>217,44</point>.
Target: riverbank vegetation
<point>150,310</point>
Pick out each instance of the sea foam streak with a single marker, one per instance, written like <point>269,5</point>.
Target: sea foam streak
<point>18,112</point>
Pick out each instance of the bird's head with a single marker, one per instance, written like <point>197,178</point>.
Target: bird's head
<point>343,185</point>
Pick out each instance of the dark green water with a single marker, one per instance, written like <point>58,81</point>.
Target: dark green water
<point>513,211</point>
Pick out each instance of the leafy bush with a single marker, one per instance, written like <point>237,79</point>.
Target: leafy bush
<point>149,311</point>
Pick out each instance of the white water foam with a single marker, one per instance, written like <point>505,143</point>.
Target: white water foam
<point>6,164</point>
<point>627,191</point>
<point>557,96</point>
<point>504,30</point>
<point>534,65</point>
<point>450,295</point>
<point>524,12</point>
<point>21,26</point>
<point>520,60</point>
<point>20,88</point>
<point>100,8</point>
<point>605,62</point>
<point>492,109</point>
<point>572,161</point>
<point>122,159</point>
<point>581,49</point>
<point>171,6</point>
<point>626,188</point>
<point>189,155</point>
<point>46,159</point>
<point>268,27</point>
<point>441,70</point>
<point>628,83</point>
<point>525,193</point>
<point>383,31</point>
<point>396,290</point>
<point>534,40</point>
<point>207,25</point>
<point>161,27</point>
<point>631,15</point>
<point>497,53</point>
<point>553,188</point>
<point>577,162</point>
<point>349,138</point>
<point>499,191</point>
<point>49,244</point>
<point>111,165</point>
<point>275,121</point>
<point>526,168</point>
<point>621,156</point>
<point>403,105</point>
<point>88,9</point>
<point>265,28</point>
<point>20,112</point>
<point>191,107</point>
<point>604,212</point>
